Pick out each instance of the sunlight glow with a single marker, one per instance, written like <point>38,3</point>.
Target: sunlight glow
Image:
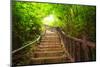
<point>48,20</point>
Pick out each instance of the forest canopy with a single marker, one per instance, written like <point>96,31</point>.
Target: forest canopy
<point>28,19</point>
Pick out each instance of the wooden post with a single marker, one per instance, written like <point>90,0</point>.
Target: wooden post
<point>85,49</point>
<point>77,50</point>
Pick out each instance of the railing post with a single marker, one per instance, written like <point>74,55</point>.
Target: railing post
<point>77,51</point>
<point>93,54</point>
<point>72,48</point>
<point>78,48</point>
<point>85,49</point>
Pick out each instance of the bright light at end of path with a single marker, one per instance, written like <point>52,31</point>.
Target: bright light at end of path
<point>48,20</point>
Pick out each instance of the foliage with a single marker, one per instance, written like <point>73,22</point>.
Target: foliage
<point>27,20</point>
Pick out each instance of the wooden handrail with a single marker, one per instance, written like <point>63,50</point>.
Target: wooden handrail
<point>66,52</point>
<point>79,49</point>
<point>90,44</point>
<point>26,45</point>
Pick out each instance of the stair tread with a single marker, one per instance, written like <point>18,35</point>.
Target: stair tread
<point>49,46</point>
<point>56,57</point>
<point>48,51</point>
<point>51,39</point>
<point>50,43</point>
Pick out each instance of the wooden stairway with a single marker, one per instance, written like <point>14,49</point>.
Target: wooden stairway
<point>50,50</point>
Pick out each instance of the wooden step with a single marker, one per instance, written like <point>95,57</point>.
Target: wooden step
<point>50,43</point>
<point>49,49</point>
<point>51,34</point>
<point>46,43</point>
<point>48,39</point>
<point>48,53</point>
<point>44,60</point>
<point>46,46</point>
<point>53,41</point>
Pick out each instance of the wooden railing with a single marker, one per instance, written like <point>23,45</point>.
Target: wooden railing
<point>18,54</point>
<point>32,42</point>
<point>80,50</point>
